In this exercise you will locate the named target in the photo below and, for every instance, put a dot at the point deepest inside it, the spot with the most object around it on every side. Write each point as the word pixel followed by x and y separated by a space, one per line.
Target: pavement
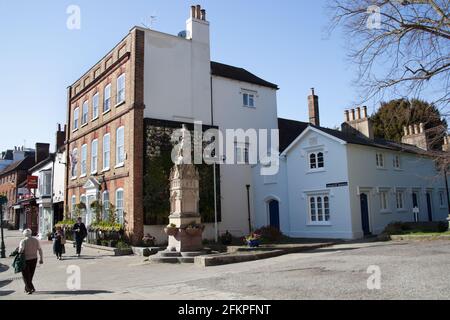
pixel 408 270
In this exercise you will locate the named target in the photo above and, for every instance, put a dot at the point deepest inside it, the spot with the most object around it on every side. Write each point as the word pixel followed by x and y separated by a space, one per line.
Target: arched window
pixel 105 201
pixel 73 205
pixel 320 161
pixel 119 205
pixel 120 146
pixel 312 161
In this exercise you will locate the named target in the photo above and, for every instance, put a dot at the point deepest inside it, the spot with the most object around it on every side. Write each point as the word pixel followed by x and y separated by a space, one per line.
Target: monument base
pixel 176 257
pixel 185 240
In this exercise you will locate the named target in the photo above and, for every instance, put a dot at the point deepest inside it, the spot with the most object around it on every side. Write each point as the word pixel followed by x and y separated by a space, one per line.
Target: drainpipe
pixel 248 207
pixel 216 223
pixel 447 189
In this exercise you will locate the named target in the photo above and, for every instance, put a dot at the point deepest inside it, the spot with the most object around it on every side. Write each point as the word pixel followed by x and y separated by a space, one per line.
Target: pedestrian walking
pixel 30 247
pixel 58 243
pixel 80 232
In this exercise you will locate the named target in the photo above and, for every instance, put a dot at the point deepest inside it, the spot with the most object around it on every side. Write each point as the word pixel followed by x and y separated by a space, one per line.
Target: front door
pixel 89 211
pixel 429 207
pixel 365 214
pixel 274 214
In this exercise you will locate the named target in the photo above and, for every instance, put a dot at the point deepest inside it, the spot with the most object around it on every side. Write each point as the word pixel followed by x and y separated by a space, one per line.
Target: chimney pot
pixel 405 131
pixel 416 129
pixel 193 12
pixel 358 113
pixel 410 129
pixel 346 116
pixel 198 12
pixel 352 114
pixel 365 112
pixel 421 127
pixel 203 14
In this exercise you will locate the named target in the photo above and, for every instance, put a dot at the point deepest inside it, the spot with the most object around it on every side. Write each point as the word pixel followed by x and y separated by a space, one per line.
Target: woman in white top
pixel 30 247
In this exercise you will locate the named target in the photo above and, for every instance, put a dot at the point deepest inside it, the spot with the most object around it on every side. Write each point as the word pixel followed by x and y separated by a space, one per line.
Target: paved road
pixel 408 271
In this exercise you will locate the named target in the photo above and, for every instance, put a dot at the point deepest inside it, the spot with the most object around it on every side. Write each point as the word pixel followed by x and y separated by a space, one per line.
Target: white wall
pixel 302 182
pixel 176 78
pixel 58 179
pixel 229 113
pixel 416 173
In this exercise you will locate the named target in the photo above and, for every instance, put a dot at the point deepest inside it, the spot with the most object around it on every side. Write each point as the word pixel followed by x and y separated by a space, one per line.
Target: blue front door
pixel 274 213
pixel 365 214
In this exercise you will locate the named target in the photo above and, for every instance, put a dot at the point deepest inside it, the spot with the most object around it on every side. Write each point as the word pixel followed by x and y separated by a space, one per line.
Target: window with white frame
pixel 319 208
pixel 84 117
pixel 120 146
pixel 242 153
pixel 73 205
pixel 95 104
pixel 45 183
pixel 94 156
pixel 74 162
pixel 442 199
pixel 400 198
pixel 396 162
pixel 107 98
pixel 106 151
pixel 248 99
pixel 83 211
pixel 316 160
pixel 384 201
pixel 83 159
pixel 380 160
pixel 76 117
pixel 105 201
pixel 119 205
pixel 121 88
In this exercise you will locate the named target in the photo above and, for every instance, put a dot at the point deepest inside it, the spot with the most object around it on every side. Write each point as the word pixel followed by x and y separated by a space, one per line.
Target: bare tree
pixel 401 48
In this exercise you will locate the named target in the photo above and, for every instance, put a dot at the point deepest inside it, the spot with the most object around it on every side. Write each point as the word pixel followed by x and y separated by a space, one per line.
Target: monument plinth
pixel 185 229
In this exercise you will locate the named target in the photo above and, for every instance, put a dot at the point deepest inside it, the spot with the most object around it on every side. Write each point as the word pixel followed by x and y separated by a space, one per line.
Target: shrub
pixel 106 226
pixel 226 238
pixel 122 245
pixel 408 227
pixel 269 234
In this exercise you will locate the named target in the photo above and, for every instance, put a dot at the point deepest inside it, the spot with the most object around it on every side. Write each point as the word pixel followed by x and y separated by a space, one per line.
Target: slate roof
pixel 240 74
pixel 291 129
pixel 23 164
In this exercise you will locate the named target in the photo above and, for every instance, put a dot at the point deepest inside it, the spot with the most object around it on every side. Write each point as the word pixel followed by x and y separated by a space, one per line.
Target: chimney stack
pixel 60 138
pixel 357 123
pixel 415 135
pixel 42 152
pixel 197 28
pixel 313 108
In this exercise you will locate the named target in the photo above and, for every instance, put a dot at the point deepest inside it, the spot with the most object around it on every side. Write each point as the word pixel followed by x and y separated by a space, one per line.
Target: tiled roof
pixel 23 164
pixel 291 129
pixel 240 74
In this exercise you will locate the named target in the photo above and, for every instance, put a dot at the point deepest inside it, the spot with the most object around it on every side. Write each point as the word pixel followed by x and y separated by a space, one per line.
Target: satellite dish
pixel 182 34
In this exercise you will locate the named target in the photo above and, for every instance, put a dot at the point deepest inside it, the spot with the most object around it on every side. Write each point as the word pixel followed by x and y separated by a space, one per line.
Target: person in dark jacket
pixel 80 232
pixel 58 243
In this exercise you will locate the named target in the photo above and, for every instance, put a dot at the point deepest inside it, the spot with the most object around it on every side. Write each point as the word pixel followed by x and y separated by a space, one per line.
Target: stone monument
pixel 185 229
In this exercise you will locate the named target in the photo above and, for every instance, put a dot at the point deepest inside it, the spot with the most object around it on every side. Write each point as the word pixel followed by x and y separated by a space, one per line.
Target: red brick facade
pixel 125 59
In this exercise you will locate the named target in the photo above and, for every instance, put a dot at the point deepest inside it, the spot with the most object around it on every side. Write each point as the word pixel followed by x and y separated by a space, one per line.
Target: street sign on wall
pixel 32 182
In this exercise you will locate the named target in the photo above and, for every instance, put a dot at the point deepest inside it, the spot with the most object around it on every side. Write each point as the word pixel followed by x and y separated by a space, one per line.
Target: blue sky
pixel 284 42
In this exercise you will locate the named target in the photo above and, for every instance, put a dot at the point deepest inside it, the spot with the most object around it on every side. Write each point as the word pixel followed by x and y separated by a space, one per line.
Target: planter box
pixel 171 231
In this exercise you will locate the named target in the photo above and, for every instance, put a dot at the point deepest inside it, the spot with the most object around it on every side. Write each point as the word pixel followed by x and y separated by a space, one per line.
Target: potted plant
pixel 148 240
pixel 194 229
pixel 171 230
pixel 253 240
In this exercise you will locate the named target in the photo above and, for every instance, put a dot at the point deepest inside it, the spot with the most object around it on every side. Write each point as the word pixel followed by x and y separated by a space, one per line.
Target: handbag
pixel 19 262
